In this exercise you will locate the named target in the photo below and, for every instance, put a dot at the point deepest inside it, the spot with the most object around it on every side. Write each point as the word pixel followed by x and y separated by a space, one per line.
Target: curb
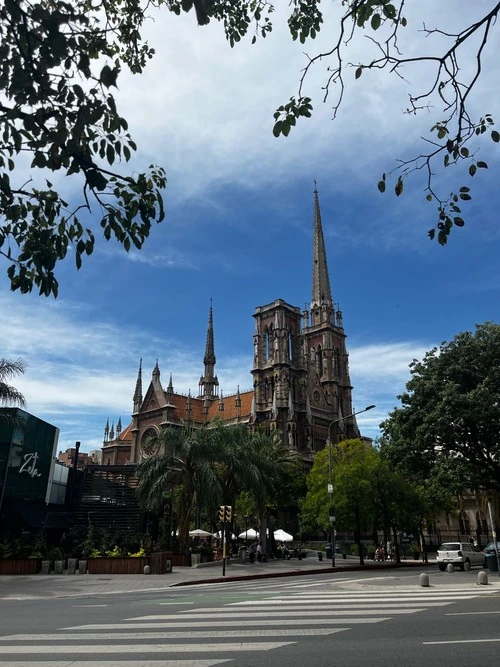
pixel 299 573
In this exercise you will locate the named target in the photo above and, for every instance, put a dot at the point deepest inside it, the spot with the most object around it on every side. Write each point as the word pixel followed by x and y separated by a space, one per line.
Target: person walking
pixel 252 550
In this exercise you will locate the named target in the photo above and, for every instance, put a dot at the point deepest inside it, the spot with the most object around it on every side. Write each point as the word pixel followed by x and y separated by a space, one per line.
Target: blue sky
pixel 238 230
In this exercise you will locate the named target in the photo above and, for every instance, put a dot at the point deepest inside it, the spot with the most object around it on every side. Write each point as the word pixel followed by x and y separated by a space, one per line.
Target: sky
pixel 239 222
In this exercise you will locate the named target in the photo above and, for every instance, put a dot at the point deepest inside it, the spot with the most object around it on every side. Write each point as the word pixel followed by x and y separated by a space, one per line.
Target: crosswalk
pixel 209 636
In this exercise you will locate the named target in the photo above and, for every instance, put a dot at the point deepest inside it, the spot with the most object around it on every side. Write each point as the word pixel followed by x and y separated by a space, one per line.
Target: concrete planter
pixel 20 566
pixel 59 566
pixel 195 559
pixel 116 565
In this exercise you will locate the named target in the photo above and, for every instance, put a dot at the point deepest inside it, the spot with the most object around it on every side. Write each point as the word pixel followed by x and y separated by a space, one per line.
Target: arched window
pixel 268 334
pixel 336 362
pixel 319 360
pixel 290 349
pixel 464 523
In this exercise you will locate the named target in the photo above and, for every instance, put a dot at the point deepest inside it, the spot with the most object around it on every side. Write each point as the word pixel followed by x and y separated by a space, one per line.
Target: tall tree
pixel 448 428
pixel 207 466
pixel 59 62
pixel 279 467
pixel 457 49
pixel 181 460
pixel 9 395
pixel 368 495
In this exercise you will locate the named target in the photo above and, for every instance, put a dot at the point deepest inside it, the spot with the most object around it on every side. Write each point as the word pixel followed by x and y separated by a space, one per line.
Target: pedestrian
pixel 259 552
pixel 252 550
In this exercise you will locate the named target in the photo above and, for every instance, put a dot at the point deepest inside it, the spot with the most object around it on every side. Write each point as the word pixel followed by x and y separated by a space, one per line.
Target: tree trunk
pixel 357 537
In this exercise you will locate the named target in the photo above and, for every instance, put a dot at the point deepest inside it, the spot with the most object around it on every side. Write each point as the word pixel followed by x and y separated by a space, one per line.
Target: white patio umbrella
pixel 281 536
pixel 251 534
pixel 218 535
pixel 199 532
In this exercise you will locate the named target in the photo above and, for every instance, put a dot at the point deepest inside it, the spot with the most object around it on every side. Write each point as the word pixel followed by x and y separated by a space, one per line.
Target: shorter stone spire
pixel 209 382
pixel 138 389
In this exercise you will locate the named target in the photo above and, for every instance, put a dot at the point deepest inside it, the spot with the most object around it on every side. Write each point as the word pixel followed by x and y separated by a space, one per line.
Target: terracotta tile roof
pixel 125 434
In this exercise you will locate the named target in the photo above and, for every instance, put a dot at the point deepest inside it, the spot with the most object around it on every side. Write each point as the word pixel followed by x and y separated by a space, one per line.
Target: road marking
pixel 230 613
pixel 329 601
pixel 464 641
pixel 202 634
pixel 166 603
pixel 419 592
pixel 148 648
pixel 472 613
pixel 118 663
pixel 247 622
pixel 89 605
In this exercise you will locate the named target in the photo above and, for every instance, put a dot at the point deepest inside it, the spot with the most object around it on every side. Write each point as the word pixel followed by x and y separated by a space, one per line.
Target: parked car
pixel 488 550
pixel 462 554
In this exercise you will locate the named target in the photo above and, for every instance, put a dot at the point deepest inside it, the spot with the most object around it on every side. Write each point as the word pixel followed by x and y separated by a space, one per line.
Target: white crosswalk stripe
pixel 209 636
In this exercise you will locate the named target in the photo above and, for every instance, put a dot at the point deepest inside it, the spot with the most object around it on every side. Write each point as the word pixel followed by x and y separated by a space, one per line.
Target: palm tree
pixel 184 462
pixel 278 463
pixel 10 395
pixel 206 466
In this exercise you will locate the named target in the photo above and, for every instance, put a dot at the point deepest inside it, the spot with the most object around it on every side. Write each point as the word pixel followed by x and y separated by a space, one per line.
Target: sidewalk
pixel 64 585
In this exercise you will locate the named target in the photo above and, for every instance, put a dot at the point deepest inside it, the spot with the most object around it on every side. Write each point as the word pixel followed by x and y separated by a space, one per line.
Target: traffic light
pixel 229 511
pixel 222 512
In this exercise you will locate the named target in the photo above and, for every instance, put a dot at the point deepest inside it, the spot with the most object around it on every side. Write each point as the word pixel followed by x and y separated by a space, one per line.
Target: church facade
pixel 301 383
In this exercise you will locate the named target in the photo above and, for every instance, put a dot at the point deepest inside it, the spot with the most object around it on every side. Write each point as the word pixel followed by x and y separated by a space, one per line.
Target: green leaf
pixel 376 21
pixel 465 197
pixel 381 186
pixel 359 72
pixel 472 169
pixel 399 187
pixel 459 222
pixel 482 165
pixel 108 76
pixel 276 130
pixel 495 136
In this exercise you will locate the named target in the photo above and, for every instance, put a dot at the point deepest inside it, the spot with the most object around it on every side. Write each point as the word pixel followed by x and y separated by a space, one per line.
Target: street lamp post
pixel 330 475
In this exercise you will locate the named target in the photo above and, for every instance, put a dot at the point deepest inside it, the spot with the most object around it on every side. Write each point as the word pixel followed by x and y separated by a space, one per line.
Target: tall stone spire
pixel 208 381
pixel 322 303
pixel 138 389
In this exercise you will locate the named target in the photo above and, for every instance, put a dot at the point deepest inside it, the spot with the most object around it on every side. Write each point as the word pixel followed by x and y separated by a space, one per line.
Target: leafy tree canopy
pixel 448 428
pixel 450 66
pixel 59 62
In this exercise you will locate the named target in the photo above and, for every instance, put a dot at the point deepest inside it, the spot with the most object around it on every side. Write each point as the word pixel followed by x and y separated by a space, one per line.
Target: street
pixel 347 618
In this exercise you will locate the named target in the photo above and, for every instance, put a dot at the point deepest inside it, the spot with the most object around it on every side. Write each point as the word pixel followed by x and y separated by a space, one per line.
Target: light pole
pixel 330 474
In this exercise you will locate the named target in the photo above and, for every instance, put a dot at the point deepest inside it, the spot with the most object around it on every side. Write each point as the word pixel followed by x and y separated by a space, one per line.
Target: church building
pixel 300 371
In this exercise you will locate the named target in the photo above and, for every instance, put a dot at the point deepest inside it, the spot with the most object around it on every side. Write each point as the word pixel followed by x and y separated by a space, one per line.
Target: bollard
pixel 147 569
pixel 482 578
pixel 424 579
pixel 450 568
